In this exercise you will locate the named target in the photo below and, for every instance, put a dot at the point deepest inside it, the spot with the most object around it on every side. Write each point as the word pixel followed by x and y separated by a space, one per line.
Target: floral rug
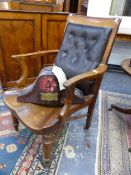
pixel 114 137
pixel 21 152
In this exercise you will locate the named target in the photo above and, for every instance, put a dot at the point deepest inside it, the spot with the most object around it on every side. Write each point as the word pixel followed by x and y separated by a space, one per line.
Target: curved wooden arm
pixel 21 59
pixel 96 73
pixel 65 111
pixel 22 81
pixel 70 86
pixel 39 53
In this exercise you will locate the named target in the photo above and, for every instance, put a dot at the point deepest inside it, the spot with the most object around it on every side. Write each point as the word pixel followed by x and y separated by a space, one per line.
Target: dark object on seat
pixel 45 91
pixel 83 57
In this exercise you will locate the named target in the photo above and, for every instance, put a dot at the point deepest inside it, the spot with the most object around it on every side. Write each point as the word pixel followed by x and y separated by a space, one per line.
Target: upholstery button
pixel 64 54
pixel 70 36
pixel 74 59
pixel 83 35
pixel 85 51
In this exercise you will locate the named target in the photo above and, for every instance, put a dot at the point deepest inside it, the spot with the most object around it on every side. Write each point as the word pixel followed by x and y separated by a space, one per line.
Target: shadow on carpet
pixel 21 152
pixel 114 136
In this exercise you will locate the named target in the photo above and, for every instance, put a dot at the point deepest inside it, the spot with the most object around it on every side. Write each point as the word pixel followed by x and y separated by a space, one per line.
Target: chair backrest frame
pixel 112 23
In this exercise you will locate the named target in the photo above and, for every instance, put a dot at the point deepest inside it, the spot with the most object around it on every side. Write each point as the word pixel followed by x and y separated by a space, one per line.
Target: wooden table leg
pixel 123 110
pixel 120 109
pixel 129 149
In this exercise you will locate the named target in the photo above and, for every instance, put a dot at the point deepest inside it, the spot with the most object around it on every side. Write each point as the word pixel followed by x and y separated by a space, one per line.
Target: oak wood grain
pixel 23 32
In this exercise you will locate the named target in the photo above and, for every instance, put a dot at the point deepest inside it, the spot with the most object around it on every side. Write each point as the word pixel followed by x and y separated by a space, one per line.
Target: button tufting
pixel 82 47
pixel 83 35
pixel 94 40
pixel 64 54
pixel 70 36
pixel 74 59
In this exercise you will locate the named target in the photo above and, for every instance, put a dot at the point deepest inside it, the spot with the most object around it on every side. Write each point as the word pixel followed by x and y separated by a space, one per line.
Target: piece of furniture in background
pixel 33 5
pixel 120 51
pixel 82 7
pixel 66 6
pixel 87 44
pixel 76 6
pixel 23 32
pixel 126 65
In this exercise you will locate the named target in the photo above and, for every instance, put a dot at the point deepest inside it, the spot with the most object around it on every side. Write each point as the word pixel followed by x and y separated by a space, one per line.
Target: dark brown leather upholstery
pixel 82 50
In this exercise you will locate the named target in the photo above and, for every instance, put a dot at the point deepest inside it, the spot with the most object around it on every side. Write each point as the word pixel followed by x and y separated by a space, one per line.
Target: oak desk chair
pixel 83 57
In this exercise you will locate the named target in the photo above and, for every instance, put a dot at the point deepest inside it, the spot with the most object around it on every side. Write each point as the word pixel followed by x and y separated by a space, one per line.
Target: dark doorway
pixel 127 8
pixel 73 6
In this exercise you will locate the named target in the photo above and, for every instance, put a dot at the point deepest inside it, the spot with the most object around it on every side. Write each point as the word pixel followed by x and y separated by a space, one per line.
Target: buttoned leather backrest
pixel 82 50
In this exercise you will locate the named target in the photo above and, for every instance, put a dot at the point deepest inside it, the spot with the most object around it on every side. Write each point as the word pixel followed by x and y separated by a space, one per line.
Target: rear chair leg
pixel 15 122
pixel 89 116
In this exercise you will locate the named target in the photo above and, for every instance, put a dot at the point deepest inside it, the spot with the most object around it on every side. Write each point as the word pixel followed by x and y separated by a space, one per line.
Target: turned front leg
pixel 48 141
pixel 47 147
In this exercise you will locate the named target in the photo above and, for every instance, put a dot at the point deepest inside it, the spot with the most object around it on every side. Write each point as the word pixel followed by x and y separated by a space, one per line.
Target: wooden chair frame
pixel 50 127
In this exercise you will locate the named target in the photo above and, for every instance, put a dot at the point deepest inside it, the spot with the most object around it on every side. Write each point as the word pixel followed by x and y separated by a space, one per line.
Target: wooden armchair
pixel 83 56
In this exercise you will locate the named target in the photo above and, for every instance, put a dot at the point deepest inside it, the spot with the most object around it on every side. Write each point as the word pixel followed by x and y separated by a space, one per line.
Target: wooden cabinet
pixel 33 5
pixel 76 6
pixel 82 7
pixel 19 33
pixel 23 32
pixel 53 31
pixel 45 7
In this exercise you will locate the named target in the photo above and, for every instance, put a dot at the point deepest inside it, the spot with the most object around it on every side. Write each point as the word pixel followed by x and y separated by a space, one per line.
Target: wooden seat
pixel 38 118
pixel 83 57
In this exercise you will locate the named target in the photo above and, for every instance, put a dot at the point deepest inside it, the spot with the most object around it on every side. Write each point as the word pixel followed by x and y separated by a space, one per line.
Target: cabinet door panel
pixel 19 33
pixel 52 33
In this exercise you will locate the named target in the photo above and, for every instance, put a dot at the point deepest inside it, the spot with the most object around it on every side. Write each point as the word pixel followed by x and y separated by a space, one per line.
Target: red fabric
pixel 48 84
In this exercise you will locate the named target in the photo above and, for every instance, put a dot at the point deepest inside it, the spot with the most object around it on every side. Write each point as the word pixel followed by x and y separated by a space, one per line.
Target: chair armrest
pixel 70 86
pixel 39 53
pixel 96 73
pixel 21 59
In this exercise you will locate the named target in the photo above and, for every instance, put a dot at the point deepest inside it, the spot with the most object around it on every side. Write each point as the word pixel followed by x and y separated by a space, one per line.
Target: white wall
pixel 121 49
pixel 99 7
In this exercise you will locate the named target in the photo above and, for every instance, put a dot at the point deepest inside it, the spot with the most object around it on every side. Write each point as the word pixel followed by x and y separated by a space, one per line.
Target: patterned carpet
pixel 21 152
pixel 114 136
